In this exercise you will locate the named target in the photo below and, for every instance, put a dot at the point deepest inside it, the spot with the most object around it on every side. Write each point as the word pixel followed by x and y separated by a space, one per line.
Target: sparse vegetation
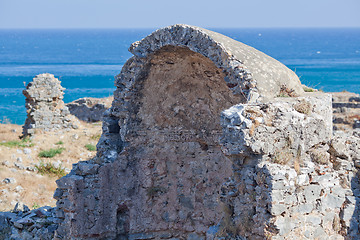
pixel 90 147
pixel 286 92
pixel 307 89
pixel 35 205
pixel 255 124
pixel 282 157
pixel 51 152
pixel 25 142
pixel 49 169
pixel 39 189
pixel 95 137
pixel 303 107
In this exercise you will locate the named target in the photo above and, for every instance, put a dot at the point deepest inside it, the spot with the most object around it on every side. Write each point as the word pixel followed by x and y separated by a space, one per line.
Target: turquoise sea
pixel 86 61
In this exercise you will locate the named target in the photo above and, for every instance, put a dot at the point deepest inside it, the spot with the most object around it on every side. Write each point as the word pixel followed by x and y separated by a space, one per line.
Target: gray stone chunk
pixel 304 208
pixel 84 168
pixel 331 201
pixel 284 224
pixel 277 209
pixel 68 181
pixel 312 192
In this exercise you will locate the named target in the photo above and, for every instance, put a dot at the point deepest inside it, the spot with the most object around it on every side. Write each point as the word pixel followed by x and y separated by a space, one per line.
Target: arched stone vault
pixel 251 75
pixel 249 72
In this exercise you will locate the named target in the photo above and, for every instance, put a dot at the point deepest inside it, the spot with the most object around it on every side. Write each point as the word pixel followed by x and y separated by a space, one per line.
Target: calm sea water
pixel 86 61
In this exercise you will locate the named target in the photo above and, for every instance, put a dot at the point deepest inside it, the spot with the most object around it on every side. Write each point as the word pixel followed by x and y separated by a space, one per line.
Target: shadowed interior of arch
pixel 176 126
pixel 184 89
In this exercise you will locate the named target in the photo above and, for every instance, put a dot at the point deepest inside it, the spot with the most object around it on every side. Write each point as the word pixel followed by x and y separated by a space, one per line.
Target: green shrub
pixel 51 152
pixel 25 142
pixel 307 89
pixel 90 147
pixel 59 143
pixel 49 169
pixel 35 205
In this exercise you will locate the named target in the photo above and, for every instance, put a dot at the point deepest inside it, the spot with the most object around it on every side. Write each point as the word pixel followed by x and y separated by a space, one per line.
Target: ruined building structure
pixel 208 138
pixel 46 110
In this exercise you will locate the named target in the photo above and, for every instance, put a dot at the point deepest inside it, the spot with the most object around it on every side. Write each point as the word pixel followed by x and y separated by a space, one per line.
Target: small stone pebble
pixel 30 168
pixel 6 163
pixel 18 225
pixel 27 150
pixel 19 166
pixel 9 180
pixel 19 188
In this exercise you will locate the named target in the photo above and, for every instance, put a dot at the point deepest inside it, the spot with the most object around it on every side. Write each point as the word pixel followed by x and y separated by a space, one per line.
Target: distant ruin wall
pixel 196 147
pixel 89 109
pixel 46 110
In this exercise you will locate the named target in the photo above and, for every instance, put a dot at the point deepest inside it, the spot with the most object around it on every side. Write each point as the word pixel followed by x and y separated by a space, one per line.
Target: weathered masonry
pixel 46 110
pixel 199 145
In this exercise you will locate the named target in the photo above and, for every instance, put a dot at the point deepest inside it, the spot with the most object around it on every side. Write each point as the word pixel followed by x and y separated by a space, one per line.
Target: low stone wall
pixel 89 109
pixel 46 110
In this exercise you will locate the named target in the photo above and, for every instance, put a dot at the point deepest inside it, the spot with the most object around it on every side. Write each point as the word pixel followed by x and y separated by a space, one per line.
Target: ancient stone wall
pixel 292 180
pixel 197 145
pixel 46 110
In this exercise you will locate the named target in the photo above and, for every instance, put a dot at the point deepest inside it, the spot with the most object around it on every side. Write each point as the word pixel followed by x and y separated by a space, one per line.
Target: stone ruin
pixel 199 145
pixel 46 110
pixel 89 109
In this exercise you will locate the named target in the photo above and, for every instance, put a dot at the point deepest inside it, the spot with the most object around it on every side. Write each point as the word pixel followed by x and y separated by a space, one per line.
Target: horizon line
pixel 149 28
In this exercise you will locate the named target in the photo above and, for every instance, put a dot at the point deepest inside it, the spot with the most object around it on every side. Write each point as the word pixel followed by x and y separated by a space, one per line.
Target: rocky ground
pixel 20 179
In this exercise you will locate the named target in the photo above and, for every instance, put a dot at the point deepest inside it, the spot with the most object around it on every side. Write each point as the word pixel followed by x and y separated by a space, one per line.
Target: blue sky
pixel 159 13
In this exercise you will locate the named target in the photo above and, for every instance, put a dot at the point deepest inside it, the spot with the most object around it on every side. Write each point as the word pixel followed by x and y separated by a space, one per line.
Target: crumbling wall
pixel 46 110
pixel 161 171
pixel 291 181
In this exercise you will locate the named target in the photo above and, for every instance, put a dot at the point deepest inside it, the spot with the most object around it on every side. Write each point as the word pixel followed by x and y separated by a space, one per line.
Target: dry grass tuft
pixel 255 124
pixel 303 107
pixel 49 169
pixel 286 92
pixel 282 157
